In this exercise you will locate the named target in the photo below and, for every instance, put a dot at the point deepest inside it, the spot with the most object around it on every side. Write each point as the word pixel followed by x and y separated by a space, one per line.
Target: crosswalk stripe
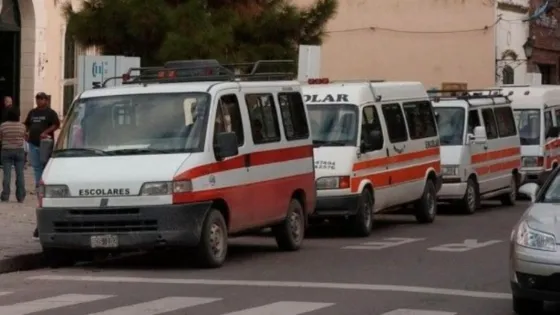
pixel 164 305
pixel 5 293
pixel 40 305
pixel 404 311
pixel 282 308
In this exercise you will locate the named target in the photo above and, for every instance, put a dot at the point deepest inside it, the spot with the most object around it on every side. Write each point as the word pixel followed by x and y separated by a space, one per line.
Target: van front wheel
pixel 289 234
pixel 426 207
pixel 212 248
pixel 362 222
pixel 470 201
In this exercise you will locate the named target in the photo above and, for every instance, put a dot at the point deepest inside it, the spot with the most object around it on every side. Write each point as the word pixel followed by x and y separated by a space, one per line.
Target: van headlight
pixel 333 182
pixel 450 170
pixel 530 238
pixel 165 188
pixel 53 191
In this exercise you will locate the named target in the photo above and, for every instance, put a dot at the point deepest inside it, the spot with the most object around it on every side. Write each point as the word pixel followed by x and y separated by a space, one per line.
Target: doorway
pixel 10 45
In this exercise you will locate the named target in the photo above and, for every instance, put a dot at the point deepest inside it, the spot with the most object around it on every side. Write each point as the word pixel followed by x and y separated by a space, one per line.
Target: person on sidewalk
pixel 12 135
pixel 41 122
pixel 7 105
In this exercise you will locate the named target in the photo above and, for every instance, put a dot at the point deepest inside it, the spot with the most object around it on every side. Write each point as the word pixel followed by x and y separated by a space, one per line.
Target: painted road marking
pixel 283 284
pixel 467 245
pixel 386 243
pixel 168 304
pixel 41 305
pixel 404 311
pixel 282 308
pixel 5 293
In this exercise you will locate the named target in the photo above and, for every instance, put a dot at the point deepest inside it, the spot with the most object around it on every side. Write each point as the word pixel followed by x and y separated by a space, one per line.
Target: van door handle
pixel 399 150
pixel 247 160
pixel 485 147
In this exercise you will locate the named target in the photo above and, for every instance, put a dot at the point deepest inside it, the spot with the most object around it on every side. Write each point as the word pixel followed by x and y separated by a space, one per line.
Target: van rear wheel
pixel 290 233
pixel 426 207
pixel 509 198
pixel 212 249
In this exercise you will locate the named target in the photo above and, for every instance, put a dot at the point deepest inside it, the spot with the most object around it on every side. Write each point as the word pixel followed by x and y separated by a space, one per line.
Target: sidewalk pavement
pixel 18 250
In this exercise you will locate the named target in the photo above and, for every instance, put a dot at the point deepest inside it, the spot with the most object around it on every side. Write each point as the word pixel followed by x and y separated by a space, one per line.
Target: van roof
pixel 180 87
pixel 526 96
pixel 468 98
pixel 361 92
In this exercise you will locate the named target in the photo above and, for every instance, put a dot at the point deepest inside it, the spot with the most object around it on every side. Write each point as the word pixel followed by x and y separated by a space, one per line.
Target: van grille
pixel 121 226
pixel 117 211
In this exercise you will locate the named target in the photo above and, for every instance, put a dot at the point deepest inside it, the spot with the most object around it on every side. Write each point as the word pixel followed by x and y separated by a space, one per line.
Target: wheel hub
pixel 295 225
pixel 216 240
pixel 471 197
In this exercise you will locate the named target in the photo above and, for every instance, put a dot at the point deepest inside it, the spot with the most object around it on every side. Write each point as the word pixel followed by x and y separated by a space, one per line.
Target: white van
pixel 480 148
pixel 376 148
pixel 537 113
pixel 179 159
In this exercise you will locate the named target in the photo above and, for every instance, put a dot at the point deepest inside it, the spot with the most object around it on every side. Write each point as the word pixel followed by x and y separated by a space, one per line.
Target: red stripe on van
pixel 494 155
pixel 396 159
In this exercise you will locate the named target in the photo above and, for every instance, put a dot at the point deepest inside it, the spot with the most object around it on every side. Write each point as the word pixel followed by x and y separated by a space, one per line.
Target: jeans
pixel 13 158
pixel 35 160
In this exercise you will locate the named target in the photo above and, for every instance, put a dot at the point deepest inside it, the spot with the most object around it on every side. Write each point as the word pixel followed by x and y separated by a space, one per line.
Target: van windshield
pixel 334 124
pixel 451 125
pixel 135 124
pixel 529 124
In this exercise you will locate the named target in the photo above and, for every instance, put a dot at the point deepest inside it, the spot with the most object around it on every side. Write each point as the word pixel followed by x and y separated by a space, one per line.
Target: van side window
pixel 547 120
pixel 228 118
pixel 506 123
pixel 394 120
pixel 293 116
pixel 371 129
pixel 557 114
pixel 490 123
pixel 420 119
pixel 474 120
pixel 264 119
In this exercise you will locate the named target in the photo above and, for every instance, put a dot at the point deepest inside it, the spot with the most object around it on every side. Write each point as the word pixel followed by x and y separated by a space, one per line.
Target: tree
pixel 227 30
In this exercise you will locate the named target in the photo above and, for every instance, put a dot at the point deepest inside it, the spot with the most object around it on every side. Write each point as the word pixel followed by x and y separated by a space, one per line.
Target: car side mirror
pixel 226 145
pixel 553 132
pixel 480 135
pixel 529 190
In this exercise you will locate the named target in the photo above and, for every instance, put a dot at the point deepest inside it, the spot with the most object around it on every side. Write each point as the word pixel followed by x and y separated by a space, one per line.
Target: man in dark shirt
pixel 41 123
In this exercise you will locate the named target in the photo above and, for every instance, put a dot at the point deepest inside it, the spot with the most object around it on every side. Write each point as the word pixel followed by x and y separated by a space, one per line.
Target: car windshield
pixel 334 124
pixel 451 125
pixel 135 124
pixel 552 191
pixel 529 124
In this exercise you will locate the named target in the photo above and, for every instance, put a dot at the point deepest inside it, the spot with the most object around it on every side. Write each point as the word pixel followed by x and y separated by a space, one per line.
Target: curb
pixel 22 263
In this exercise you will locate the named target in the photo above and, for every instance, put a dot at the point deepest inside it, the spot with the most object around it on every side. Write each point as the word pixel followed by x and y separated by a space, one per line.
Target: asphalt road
pixel 402 269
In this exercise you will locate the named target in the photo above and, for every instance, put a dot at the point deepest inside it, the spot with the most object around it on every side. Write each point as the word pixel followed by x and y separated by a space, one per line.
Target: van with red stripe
pixel 480 148
pixel 537 114
pixel 179 157
pixel 376 149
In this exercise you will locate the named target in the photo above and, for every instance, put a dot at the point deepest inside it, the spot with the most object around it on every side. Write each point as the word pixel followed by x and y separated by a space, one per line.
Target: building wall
pixel 545 30
pixel 411 40
pixel 511 33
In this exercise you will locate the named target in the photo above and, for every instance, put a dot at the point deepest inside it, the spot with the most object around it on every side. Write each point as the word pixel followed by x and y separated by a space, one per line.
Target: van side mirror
pixel 225 145
pixel 479 135
pixel 553 132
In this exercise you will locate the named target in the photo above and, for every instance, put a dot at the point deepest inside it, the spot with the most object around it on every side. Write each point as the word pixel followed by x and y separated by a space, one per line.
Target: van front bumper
pixel 335 206
pixel 136 228
pixel 452 190
pixel 535 175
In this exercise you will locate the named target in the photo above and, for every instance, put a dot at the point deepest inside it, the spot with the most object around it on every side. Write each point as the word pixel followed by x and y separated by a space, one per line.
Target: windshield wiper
pixel 137 151
pixel 320 143
pixel 78 152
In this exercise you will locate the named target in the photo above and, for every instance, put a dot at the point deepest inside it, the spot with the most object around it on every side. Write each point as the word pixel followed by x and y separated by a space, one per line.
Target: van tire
pixel 290 233
pixel 522 306
pixel 362 223
pixel 426 207
pixel 509 198
pixel 59 258
pixel 212 248
pixel 471 199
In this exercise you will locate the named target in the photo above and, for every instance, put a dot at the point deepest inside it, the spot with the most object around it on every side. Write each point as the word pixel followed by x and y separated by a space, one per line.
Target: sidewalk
pixel 18 250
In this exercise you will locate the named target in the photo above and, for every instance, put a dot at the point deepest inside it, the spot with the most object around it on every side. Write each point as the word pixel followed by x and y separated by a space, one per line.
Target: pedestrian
pixel 41 123
pixel 12 134
pixel 7 105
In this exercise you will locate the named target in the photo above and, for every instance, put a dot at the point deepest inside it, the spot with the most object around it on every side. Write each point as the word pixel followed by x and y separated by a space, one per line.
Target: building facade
pixel 512 32
pixel 545 33
pixel 429 41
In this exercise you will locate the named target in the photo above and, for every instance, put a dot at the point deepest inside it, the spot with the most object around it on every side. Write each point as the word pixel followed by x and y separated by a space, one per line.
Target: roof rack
pixel 358 81
pixel 467 95
pixel 205 71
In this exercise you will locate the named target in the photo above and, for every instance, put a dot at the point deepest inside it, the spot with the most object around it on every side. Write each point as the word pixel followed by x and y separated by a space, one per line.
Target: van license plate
pixel 104 241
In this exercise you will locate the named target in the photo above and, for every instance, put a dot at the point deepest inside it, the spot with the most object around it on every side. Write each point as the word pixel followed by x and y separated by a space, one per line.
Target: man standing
pixel 41 123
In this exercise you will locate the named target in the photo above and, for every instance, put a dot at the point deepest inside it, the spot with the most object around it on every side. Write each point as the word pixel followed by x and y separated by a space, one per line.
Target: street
pixel 457 265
